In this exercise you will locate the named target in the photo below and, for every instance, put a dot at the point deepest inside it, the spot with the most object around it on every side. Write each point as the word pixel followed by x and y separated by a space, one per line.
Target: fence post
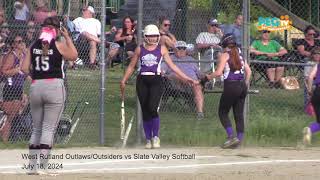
pixel 138 109
pixel 102 71
pixel 245 46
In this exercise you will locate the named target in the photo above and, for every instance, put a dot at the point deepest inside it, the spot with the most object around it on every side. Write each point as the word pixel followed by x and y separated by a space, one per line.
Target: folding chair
pixel 172 94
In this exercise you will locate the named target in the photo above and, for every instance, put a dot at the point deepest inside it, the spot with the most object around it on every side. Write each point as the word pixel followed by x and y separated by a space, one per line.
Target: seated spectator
pixel 126 38
pixel 314 61
pixel 210 39
pixel 166 38
pixel 190 69
pixel 13 89
pixel 269 50
pixel 305 46
pixel 235 29
pixel 89 29
pixel 42 11
pixel 21 13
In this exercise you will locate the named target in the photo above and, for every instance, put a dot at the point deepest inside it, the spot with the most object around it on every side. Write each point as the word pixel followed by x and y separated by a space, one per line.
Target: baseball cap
pixel 89 8
pixel 213 21
pixel 181 44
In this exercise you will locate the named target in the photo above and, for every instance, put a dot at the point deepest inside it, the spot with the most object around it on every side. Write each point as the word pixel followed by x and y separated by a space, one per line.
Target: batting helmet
pixel 228 39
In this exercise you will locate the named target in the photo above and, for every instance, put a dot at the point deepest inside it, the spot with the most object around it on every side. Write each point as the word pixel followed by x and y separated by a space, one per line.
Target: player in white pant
pixel 47 92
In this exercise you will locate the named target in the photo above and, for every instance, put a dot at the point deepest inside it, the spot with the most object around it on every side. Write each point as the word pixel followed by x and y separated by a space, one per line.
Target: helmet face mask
pixel 151 34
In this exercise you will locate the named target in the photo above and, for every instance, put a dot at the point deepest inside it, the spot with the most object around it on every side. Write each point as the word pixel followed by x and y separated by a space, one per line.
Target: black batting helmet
pixel 228 39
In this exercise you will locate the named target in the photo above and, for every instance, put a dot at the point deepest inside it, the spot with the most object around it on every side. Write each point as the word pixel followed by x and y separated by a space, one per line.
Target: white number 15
pixel 43 64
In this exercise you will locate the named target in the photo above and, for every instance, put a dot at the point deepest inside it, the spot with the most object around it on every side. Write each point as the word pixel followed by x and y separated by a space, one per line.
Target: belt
pixel 150 73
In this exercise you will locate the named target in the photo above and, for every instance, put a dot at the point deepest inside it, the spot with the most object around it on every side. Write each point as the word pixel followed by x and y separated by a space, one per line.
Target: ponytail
pixel 235 58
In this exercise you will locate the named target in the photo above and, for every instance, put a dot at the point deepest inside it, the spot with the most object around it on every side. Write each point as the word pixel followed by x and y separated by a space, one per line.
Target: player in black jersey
pixel 45 59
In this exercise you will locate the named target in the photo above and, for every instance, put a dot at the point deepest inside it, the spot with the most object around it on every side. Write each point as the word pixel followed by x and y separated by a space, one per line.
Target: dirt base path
pixel 169 163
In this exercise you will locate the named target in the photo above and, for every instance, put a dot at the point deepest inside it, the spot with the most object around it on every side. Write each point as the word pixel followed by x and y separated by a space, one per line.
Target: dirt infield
pixel 170 163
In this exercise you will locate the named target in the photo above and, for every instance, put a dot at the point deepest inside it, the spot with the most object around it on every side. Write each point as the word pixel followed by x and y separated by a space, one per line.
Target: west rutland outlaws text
pixel 156 156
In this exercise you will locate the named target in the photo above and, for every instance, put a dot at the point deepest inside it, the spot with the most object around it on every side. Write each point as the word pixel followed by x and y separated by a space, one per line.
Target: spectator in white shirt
pixel 210 39
pixel 90 29
pixel 21 11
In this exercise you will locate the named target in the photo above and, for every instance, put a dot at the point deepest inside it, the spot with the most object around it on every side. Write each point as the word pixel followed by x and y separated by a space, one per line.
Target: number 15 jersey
pixel 46 67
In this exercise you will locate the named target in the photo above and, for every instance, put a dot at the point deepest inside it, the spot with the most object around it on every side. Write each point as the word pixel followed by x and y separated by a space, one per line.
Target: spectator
pixel 306 45
pixel 31 33
pixel 269 50
pixel 4 35
pixel 21 11
pixel 2 16
pixel 188 68
pixel 42 11
pixel 126 38
pixel 210 39
pixel 13 88
pixel 89 29
pixel 167 38
pixel 235 29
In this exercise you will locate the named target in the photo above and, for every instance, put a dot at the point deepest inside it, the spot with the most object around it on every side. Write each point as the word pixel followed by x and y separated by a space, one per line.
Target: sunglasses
pixel 181 48
pixel 213 25
pixel 18 41
pixel 311 34
pixel 167 25
pixel 265 31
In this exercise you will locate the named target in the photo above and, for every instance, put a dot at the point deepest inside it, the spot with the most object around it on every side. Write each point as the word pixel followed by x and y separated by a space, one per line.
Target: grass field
pixel 275 116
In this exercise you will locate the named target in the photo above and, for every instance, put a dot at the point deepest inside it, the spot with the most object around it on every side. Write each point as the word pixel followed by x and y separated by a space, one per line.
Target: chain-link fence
pixel 20 27
pixel 189 115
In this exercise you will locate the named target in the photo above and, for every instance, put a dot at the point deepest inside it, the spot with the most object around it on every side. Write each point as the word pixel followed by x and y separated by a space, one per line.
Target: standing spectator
pixel 42 11
pixel 149 86
pixel 314 96
pixel 269 50
pixel 236 74
pixel 235 29
pixel 211 38
pixel 89 29
pixel 189 68
pixel 31 33
pixel 2 16
pixel 167 38
pixel 47 92
pixel 21 11
pixel 13 88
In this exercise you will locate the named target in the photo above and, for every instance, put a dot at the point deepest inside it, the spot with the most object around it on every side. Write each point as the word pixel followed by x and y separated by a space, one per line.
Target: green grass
pixel 275 117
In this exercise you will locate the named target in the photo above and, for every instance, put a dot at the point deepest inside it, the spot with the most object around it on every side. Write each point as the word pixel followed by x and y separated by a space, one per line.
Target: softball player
pixel 47 92
pixel 148 86
pixel 236 73
pixel 313 79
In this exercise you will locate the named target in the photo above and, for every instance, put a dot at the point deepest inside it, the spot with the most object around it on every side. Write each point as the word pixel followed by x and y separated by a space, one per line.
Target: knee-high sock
pixel 34 151
pixel 229 131
pixel 45 151
pixel 240 136
pixel 155 126
pixel 147 126
pixel 315 127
